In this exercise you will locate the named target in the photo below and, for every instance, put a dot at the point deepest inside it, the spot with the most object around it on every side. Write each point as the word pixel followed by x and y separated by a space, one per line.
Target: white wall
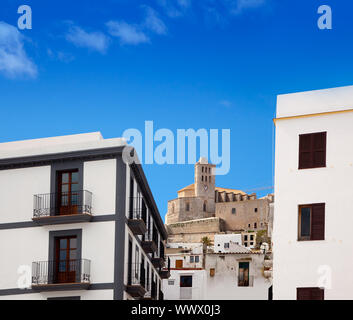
pixel 172 292
pixel 27 245
pixel 298 263
pixel 100 179
pixel 221 239
pixel 224 284
pixel 18 186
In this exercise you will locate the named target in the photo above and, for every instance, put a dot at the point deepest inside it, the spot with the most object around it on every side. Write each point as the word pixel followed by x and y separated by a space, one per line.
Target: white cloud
pixel 61 56
pixel 174 9
pixel 127 33
pixel 153 22
pixel 13 58
pixel 97 41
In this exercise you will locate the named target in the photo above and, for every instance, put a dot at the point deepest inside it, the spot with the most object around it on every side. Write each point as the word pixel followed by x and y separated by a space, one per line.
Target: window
pixel 310 294
pixel 187 206
pixel 245 244
pixel 204 206
pixel 186 281
pixel 249 225
pixel 251 243
pixel 234 210
pixel 311 222
pixel 212 272
pixel 191 259
pixel 312 150
pixel 201 178
pixel 197 259
pixel 178 264
pixel 252 237
pixel 255 209
pixel 171 282
pixel 206 178
pixel 246 237
pixel 226 245
pixel 255 225
pixel 243 276
pixel 68 192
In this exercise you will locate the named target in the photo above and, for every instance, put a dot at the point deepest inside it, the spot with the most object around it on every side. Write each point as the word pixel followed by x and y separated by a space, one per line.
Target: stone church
pixel 202 209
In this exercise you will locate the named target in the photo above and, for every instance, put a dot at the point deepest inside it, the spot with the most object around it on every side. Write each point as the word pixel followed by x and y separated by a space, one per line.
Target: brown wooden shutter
pixel 312 150
pixel 319 149
pixel 303 293
pixel 310 294
pixel 318 222
pixel 305 151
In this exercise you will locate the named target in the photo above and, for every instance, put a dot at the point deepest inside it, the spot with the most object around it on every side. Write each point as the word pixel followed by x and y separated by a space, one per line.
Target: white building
pixel 227 242
pixel 236 275
pixel 76 222
pixel 313 195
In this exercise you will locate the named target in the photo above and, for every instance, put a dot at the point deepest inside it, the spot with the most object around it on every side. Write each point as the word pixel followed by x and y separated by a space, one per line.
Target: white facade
pixel 25 241
pixel 323 263
pixel 217 278
pixel 227 242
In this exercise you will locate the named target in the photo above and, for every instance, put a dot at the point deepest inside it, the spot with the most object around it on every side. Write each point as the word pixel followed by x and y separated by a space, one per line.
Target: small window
pixel 255 209
pixel 312 150
pixel 197 259
pixel 202 169
pixel 311 222
pixel 212 272
pixel 234 210
pixel 255 225
pixel 252 237
pixel 206 178
pixel 205 206
pixel 251 243
pixel 249 225
pixel 171 282
pixel 226 245
pixel 246 237
pixel 186 281
pixel 191 259
pixel 245 244
pixel 187 206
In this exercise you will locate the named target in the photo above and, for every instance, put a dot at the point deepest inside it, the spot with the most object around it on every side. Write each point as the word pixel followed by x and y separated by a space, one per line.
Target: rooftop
pixel 313 102
pixel 60 144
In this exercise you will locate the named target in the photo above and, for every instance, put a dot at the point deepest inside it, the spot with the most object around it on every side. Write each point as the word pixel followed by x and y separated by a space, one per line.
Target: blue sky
pixel 111 65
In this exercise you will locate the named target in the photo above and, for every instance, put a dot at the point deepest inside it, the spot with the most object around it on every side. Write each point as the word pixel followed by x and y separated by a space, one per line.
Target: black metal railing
pixel 64 203
pixel 61 271
pixel 161 250
pixel 137 208
pixel 137 274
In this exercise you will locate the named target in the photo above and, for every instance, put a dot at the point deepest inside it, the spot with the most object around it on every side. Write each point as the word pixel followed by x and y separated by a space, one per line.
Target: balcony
pixel 165 272
pixel 61 208
pixel 61 275
pixel 149 243
pixel 158 262
pixel 136 286
pixel 137 216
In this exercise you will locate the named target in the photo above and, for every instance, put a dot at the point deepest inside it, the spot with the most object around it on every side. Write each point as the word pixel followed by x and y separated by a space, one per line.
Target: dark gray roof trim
pixel 147 193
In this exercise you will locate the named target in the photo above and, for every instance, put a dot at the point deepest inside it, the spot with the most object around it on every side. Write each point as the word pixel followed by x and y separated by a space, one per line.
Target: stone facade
pixel 202 209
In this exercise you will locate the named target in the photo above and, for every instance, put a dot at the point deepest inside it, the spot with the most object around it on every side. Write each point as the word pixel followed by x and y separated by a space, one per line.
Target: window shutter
pixel 319 149
pixel 303 294
pixel 317 294
pixel 310 294
pixel 305 151
pixel 318 222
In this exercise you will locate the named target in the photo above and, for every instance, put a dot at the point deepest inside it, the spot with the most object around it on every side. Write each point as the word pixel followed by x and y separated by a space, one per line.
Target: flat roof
pixel 60 144
pixel 315 102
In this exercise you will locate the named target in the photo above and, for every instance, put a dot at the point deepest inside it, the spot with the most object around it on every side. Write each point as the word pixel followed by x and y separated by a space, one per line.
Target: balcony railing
pixel 62 204
pixel 137 208
pixel 136 285
pixel 61 272
pixel 149 243
pixel 137 215
pixel 247 281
